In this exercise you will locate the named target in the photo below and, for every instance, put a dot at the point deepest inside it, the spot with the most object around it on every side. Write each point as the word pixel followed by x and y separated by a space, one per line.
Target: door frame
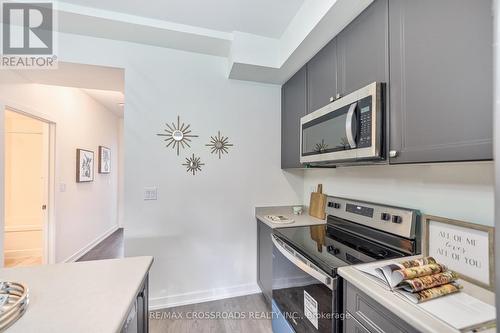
pixel 50 221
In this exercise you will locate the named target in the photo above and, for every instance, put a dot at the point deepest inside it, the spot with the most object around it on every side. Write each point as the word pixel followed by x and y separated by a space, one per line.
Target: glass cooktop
pixel 311 242
pixel 331 247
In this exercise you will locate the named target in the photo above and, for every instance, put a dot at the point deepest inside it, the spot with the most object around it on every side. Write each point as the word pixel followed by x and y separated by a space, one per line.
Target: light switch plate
pixel 62 187
pixel 150 193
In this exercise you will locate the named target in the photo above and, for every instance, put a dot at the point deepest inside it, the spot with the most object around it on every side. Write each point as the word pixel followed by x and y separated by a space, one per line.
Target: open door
pixel 26 189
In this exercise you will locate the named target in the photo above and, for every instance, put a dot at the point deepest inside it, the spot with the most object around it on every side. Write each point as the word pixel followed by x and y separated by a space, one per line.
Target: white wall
pixel 121 174
pixel 463 191
pixel 201 230
pixel 84 211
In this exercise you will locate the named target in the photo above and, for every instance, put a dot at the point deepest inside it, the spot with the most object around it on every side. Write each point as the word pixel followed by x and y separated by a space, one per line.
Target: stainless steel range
pixel 307 295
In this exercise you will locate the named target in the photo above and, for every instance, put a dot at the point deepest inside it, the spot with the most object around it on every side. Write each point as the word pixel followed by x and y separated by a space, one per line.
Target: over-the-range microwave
pixel 350 129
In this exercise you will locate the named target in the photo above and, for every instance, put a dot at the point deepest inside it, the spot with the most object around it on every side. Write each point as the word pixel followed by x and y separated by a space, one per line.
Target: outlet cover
pixel 150 193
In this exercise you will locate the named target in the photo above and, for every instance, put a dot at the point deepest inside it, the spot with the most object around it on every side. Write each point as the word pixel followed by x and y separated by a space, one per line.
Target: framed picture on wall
pixel 104 159
pixel 84 165
pixel 464 247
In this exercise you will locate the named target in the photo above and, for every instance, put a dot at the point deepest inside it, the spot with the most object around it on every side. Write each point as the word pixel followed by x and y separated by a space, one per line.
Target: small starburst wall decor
pixel 178 136
pixel 219 144
pixel 193 164
pixel 320 147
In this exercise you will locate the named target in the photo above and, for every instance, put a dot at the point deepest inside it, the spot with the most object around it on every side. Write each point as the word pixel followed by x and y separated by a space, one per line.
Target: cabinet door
pixel 351 325
pixel 369 314
pixel 265 260
pixel 322 77
pixel 441 80
pixel 293 107
pixel 363 49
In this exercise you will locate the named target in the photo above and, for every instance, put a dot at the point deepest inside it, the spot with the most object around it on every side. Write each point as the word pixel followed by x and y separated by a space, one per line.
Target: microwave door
pixel 325 134
pixel 331 136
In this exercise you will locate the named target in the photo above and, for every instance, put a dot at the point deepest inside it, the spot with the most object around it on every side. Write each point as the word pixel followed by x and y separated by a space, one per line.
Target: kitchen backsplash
pixel 461 191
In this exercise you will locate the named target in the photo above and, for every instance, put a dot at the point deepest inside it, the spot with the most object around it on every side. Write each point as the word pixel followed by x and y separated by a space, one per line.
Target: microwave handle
pixel 351 125
pixel 304 264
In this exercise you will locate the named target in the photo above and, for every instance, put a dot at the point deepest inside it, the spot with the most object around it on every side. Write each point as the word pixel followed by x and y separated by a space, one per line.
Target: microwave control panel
pixel 365 122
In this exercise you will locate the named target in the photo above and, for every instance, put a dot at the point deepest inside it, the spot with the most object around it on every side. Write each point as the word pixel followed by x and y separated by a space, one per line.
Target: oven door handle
pixel 303 263
pixel 351 125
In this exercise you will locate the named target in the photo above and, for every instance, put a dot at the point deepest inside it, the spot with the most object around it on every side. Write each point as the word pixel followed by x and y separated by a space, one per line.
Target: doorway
pixel 26 174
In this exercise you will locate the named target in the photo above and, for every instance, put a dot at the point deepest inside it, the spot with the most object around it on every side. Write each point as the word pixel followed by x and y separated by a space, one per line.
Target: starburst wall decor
pixel 193 164
pixel 178 135
pixel 219 144
pixel 321 147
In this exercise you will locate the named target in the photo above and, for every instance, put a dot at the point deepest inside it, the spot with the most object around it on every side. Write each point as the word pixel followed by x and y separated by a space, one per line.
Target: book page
pixel 460 310
pixel 374 272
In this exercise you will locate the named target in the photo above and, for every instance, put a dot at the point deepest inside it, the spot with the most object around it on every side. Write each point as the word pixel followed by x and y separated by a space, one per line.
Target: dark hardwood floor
pixel 245 314
pixel 110 248
pixel 253 308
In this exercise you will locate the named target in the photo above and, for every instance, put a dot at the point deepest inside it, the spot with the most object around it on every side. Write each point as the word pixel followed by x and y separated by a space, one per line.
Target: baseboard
pixel 203 296
pixel 77 255
pixel 11 254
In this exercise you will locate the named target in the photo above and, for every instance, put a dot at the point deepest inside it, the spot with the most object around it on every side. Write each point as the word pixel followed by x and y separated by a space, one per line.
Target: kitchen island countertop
pixel 405 310
pixel 90 296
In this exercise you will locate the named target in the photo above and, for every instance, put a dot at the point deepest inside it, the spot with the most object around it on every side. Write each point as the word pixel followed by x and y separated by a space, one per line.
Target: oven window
pixel 325 134
pixel 306 303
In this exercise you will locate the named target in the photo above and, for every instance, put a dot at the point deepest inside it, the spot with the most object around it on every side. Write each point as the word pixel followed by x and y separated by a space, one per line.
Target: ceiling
pixel 103 84
pixel 111 100
pixel 78 76
pixel 263 41
pixel 260 17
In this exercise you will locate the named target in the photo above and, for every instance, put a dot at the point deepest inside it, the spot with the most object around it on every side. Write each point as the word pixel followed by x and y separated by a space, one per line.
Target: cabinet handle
pixel 332 99
pixel 393 153
pixel 338 96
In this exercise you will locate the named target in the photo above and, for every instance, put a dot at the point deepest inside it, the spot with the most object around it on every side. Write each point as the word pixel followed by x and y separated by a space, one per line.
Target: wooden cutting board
pixel 317 204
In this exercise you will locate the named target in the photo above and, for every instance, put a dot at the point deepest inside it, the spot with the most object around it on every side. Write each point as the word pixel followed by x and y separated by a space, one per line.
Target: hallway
pixel 110 248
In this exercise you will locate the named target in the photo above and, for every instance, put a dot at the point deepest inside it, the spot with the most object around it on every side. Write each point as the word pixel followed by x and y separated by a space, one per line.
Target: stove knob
pixel 336 205
pixel 330 204
pixel 332 249
pixel 385 216
pixel 397 219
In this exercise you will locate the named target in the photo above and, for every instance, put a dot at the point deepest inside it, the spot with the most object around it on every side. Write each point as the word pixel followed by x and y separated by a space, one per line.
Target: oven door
pixel 305 298
pixel 347 129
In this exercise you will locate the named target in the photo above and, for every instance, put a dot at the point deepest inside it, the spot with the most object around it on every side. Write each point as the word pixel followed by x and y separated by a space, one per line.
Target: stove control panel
pixel 395 220
pixel 385 216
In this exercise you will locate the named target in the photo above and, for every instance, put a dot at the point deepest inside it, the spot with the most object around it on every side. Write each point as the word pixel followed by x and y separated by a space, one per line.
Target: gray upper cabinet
pixel 363 49
pixel 322 77
pixel 437 60
pixel 293 107
pixel 441 80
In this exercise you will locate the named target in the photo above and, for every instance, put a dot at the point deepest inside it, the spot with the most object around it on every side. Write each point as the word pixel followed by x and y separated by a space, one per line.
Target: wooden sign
pixel 463 247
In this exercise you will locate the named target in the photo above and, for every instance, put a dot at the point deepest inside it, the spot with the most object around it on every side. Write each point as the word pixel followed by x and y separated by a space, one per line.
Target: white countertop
pixel 299 220
pixel 91 296
pixel 407 311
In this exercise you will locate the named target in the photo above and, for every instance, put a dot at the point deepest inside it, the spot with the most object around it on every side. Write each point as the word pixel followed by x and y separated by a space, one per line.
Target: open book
pixel 424 279
pixel 418 280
